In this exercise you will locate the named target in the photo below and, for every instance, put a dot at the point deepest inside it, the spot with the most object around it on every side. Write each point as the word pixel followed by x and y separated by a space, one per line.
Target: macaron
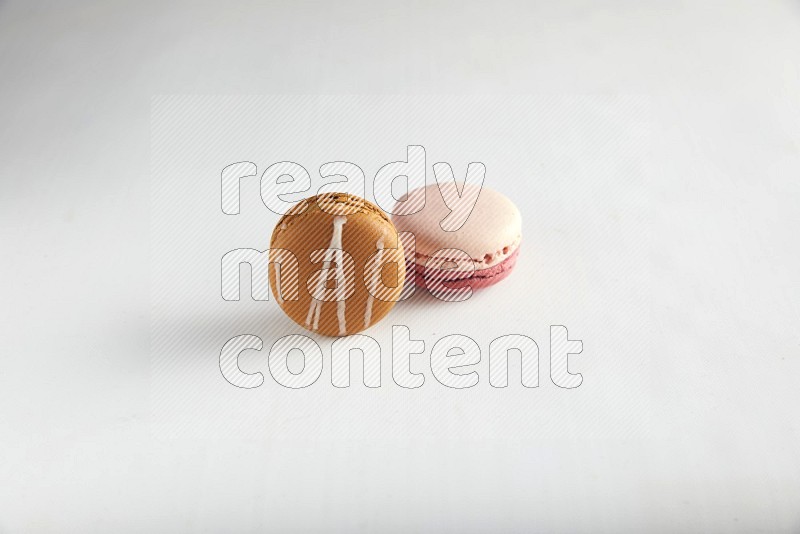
pixel 480 253
pixel 338 265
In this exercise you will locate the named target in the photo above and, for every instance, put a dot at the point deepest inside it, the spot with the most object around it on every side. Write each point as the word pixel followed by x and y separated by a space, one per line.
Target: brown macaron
pixel 338 264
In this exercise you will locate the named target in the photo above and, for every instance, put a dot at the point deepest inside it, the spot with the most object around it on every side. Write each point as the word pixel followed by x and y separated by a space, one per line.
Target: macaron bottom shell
pixel 455 280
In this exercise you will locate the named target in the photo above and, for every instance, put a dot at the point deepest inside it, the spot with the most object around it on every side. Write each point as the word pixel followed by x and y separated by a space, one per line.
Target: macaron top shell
pixel 491 233
pixel 356 290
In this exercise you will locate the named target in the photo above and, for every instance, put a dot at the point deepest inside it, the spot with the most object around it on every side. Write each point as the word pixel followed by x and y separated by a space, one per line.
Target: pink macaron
pixel 454 250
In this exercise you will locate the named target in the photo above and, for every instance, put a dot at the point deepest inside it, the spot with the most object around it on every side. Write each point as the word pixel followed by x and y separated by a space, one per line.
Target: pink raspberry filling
pixel 477 279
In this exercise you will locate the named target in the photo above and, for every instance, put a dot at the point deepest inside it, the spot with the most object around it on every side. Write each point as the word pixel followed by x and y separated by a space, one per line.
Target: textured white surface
pixel 707 442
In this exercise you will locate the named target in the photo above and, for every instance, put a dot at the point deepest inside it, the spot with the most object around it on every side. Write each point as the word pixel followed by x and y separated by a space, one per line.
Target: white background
pixel 687 417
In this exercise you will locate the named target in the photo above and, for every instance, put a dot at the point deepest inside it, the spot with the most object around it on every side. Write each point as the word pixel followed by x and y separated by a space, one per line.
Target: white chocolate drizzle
pixel 278 292
pixel 373 283
pixel 335 249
